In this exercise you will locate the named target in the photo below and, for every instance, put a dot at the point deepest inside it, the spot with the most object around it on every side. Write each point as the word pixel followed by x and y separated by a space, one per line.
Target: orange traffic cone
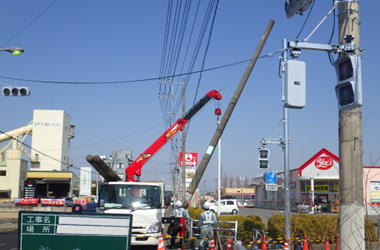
pixel 229 247
pixel 305 245
pixel 286 246
pixel 161 245
pixel 327 244
pixel 264 245
pixel 212 244
pixel 337 243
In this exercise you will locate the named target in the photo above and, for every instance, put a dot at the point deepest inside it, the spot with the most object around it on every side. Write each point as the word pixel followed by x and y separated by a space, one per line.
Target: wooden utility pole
pixel 351 217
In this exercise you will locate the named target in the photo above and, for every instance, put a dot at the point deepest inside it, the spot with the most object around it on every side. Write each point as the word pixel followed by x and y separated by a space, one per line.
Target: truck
pixel 145 200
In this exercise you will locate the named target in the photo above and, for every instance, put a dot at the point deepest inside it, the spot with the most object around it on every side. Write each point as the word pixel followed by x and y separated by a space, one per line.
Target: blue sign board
pixel 271 177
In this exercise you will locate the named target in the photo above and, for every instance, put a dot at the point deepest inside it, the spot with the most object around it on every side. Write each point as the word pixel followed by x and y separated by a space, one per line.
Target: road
pixel 8 240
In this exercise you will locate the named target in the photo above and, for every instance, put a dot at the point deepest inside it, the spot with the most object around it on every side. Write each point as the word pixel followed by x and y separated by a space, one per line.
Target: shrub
pixel 245 225
pixel 313 226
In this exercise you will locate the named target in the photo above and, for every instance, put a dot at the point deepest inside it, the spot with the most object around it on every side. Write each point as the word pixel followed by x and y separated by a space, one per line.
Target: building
pixel 51 132
pixel 241 194
pixel 317 181
pixel 118 161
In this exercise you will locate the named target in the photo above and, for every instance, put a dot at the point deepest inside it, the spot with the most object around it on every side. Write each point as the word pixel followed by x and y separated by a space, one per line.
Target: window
pixel 5 194
pixel 3 172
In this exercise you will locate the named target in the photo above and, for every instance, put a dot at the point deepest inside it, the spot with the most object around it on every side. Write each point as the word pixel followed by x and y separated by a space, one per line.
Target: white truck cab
pixel 144 200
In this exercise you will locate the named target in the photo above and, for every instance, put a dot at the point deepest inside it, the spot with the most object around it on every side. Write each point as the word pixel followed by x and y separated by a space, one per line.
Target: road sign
pixel 271 187
pixel 52 231
pixel 271 177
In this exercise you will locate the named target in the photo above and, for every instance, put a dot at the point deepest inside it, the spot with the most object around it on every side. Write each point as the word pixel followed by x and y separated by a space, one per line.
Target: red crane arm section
pixel 135 167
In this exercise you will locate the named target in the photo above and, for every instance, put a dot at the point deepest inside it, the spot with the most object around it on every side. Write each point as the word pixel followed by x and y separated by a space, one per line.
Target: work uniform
pixel 179 212
pixel 206 223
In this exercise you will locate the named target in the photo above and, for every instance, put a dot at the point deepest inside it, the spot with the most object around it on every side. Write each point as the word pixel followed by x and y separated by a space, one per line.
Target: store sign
pixel 85 181
pixel 271 187
pixel 47 124
pixel 27 201
pixel 191 159
pixel 318 188
pixel 323 163
pixel 53 202
pixel 30 189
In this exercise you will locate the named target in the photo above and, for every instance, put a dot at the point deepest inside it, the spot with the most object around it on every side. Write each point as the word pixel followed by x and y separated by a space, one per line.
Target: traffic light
pixel 296 7
pixel 15 91
pixel 349 87
pixel 263 158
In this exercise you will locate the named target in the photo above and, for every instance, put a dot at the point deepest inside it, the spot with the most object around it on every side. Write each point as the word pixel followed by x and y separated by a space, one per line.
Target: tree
pixel 245 183
pixel 238 182
pixel 231 181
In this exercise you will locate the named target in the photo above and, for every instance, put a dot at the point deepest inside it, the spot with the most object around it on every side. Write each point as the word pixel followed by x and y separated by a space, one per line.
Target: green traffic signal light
pixel 6 92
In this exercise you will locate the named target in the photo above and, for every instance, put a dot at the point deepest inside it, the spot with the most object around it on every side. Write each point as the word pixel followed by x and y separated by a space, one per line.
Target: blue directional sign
pixel 271 177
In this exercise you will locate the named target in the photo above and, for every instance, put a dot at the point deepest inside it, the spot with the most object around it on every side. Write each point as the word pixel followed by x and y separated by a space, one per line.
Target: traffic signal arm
pixel 136 166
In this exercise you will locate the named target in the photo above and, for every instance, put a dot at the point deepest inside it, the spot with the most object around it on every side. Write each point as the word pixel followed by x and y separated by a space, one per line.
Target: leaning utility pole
pixel 351 217
pixel 231 106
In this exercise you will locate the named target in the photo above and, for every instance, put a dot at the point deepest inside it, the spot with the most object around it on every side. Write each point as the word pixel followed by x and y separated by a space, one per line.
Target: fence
pixel 220 229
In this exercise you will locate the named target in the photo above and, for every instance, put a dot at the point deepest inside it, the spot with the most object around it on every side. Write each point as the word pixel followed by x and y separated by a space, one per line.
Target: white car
pixel 226 206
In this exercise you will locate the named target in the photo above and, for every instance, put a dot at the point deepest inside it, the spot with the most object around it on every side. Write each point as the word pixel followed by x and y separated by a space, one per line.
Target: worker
pixel 179 212
pixel 206 223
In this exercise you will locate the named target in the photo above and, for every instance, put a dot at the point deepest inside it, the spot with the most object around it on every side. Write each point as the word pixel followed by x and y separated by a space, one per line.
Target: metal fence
pixel 232 229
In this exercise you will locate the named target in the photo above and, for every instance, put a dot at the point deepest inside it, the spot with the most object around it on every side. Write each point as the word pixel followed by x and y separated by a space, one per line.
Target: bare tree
pixel 224 180
pixel 245 182
pixel 238 182
pixel 231 181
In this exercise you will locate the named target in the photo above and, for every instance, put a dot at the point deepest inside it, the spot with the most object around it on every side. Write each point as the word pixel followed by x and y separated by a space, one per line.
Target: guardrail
pixel 220 229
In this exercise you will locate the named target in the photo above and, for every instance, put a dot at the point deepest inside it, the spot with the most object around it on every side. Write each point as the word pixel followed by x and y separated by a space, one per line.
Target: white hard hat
pixel 178 204
pixel 206 205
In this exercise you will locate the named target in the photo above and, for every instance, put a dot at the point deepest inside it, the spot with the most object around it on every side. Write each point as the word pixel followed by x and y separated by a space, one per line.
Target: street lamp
pixel 242 178
pixel 14 50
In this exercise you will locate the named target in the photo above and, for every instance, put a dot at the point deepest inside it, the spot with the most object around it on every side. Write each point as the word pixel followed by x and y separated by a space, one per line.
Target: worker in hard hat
pixel 206 223
pixel 179 211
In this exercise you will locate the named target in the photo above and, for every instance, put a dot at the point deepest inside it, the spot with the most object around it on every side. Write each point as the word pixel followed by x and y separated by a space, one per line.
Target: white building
pixel 51 132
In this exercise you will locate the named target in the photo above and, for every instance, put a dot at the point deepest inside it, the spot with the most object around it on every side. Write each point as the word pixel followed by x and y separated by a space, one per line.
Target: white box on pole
pixel 294 84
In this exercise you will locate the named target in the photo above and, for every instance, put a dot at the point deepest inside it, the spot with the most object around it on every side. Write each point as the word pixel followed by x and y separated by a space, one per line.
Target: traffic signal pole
pixel 351 214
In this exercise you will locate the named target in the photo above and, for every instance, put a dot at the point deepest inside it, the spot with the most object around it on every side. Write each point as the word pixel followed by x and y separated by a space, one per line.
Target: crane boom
pixel 135 167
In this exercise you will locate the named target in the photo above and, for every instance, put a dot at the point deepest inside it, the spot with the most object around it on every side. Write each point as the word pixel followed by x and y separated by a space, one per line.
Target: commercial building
pixel 317 181
pixel 51 132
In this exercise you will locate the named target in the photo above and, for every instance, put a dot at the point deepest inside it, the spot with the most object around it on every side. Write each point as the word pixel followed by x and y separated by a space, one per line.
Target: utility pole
pixel 183 147
pixel 351 216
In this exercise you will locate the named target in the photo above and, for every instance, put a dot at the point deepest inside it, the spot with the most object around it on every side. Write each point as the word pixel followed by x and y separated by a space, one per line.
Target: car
pixel 68 201
pixel 89 207
pixel 226 206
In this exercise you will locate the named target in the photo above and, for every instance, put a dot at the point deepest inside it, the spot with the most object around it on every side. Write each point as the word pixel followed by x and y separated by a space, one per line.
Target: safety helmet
pixel 206 205
pixel 178 204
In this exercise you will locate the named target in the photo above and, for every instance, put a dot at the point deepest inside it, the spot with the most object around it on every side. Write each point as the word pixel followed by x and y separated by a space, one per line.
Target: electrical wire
pixel 30 23
pixel 307 18
pixel 139 80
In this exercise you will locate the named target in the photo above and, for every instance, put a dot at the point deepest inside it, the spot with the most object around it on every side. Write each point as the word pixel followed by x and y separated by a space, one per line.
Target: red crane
pixel 135 167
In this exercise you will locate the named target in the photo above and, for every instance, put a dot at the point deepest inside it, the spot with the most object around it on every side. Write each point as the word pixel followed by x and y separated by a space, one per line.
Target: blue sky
pixel 107 41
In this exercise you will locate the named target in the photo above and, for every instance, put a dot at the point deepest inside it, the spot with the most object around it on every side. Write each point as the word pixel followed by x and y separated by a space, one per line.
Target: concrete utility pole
pixel 231 106
pixel 351 217
pixel 183 146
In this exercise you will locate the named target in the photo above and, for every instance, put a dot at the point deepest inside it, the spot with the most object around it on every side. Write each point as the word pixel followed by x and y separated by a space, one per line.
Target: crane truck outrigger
pixel 144 200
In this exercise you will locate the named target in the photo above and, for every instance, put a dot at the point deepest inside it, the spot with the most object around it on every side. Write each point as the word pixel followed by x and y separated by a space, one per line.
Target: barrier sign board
pixel 55 231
